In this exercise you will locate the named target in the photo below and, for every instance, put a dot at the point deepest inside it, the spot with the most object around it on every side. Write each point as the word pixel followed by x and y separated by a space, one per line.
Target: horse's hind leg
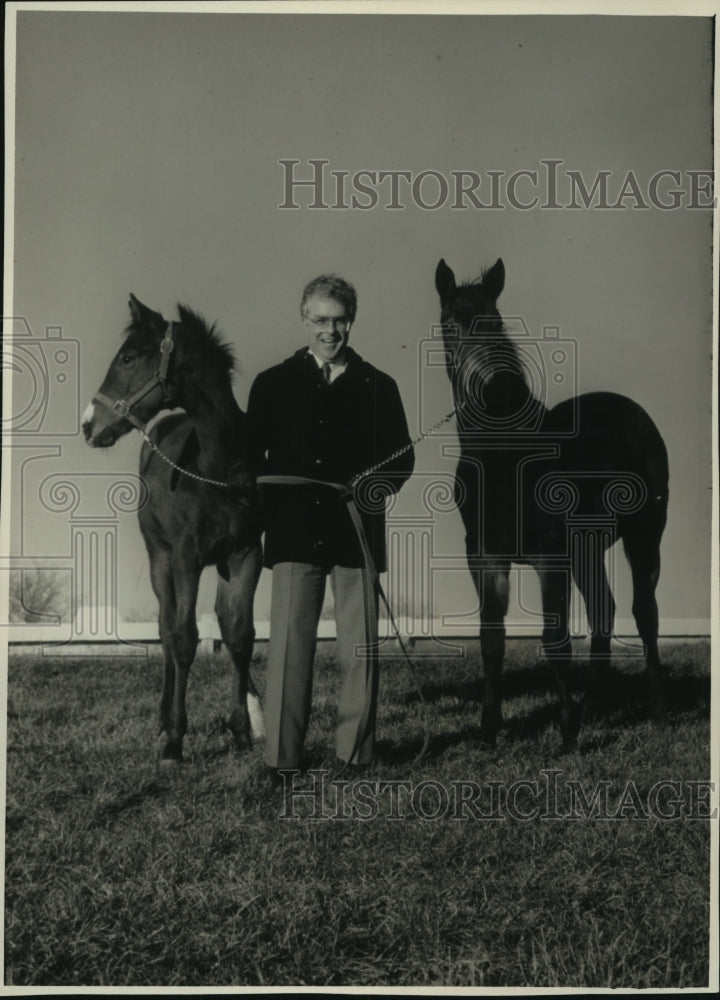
pixel 555 587
pixel 643 552
pixel 234 609
pixel 492 583
pixel 591 578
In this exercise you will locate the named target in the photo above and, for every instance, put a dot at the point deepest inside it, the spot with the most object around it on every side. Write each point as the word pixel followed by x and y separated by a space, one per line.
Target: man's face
pixel 327 326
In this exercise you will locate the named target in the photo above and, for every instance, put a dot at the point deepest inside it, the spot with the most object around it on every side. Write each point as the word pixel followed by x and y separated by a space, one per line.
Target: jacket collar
pixel 301 360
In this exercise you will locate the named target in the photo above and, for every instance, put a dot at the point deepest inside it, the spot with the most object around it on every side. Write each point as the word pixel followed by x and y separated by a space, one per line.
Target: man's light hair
pixel 332 287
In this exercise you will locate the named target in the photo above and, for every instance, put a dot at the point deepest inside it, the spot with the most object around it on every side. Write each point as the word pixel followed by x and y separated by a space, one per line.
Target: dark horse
pixel 189 521
pixel 552 488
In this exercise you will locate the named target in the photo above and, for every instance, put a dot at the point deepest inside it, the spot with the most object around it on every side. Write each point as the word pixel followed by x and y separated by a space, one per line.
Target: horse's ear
pixel 494 280
pixel 444 281
pixel 144 316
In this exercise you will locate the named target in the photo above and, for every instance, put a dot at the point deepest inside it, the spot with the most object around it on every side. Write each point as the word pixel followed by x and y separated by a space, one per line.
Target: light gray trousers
pixel 298 591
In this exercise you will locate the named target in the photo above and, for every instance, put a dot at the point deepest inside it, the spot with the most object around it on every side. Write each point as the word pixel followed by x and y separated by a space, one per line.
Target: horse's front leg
pixel 555 588
pixel 234 609
pixel 164 587
pixel 492 582
pixel 183 644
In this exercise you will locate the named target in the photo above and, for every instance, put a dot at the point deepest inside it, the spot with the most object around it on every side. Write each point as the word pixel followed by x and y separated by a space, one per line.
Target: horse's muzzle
pixel 104 438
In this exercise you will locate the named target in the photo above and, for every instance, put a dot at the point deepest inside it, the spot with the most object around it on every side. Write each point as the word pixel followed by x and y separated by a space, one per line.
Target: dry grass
pixel 120 873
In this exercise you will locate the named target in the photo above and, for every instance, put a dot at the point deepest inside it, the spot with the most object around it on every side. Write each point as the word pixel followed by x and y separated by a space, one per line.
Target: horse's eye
pixel 127 359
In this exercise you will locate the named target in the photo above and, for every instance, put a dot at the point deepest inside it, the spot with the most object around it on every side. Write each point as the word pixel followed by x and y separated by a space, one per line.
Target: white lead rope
pixel 401 451
pixel 178 468
pixel 372 577
pixel 353 482
pixel 371 580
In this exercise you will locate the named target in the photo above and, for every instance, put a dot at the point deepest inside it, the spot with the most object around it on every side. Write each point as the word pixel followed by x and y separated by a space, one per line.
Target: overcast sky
pixel 148 149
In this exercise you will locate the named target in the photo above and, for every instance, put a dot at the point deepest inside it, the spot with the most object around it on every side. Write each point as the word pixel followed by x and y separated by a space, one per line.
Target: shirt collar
pixel 333 364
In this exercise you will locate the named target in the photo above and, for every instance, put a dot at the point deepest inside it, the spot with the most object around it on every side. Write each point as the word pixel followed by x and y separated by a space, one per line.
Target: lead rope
pixel 353 482
pixel 370 573
pixel 371 582
pixel 401 451
pixel 178 468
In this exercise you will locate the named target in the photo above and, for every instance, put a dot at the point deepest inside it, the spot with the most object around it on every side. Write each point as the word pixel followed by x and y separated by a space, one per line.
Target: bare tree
pixel 39 595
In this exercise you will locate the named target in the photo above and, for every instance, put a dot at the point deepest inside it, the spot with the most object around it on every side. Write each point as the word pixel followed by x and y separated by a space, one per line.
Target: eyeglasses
pixel 329 322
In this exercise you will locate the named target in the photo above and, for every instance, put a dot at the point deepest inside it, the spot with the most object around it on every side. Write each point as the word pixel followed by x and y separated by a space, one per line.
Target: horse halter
pixel 123 407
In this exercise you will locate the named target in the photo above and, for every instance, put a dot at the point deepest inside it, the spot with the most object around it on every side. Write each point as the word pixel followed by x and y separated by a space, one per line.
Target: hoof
pixel 570 726
pixel 242 743
pixel 172 754
pixel 241 734
pixel 490 725
pixel 488 737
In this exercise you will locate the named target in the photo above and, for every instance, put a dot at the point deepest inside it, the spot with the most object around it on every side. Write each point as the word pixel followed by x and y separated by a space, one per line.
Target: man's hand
pixel 347 492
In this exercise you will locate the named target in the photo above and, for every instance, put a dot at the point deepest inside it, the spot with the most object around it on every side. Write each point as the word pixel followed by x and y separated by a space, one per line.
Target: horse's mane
pixel 208 337
pixel 475 281
pixel 204 341
pixel 510 351
pixel 209 360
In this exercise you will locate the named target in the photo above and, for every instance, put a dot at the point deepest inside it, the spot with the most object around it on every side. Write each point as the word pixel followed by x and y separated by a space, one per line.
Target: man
pixel 324 414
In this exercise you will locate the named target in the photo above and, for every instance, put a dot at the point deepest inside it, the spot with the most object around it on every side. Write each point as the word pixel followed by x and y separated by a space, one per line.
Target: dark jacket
pixel 299 425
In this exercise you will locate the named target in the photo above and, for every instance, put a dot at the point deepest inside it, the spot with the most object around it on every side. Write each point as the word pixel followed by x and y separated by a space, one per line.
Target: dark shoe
pixel 280 777
pixel 273 778
pixel 348 771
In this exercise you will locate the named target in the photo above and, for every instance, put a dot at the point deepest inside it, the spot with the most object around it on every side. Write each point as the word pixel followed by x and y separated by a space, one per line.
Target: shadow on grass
pixel 620 696
pixel 149 790
pixel 391 754
pixel 529 726
pixel 682 692
pixel 624 698
pixel 520 681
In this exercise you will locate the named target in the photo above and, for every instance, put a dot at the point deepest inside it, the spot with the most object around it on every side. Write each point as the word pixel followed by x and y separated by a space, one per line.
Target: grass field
pixel 122 873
